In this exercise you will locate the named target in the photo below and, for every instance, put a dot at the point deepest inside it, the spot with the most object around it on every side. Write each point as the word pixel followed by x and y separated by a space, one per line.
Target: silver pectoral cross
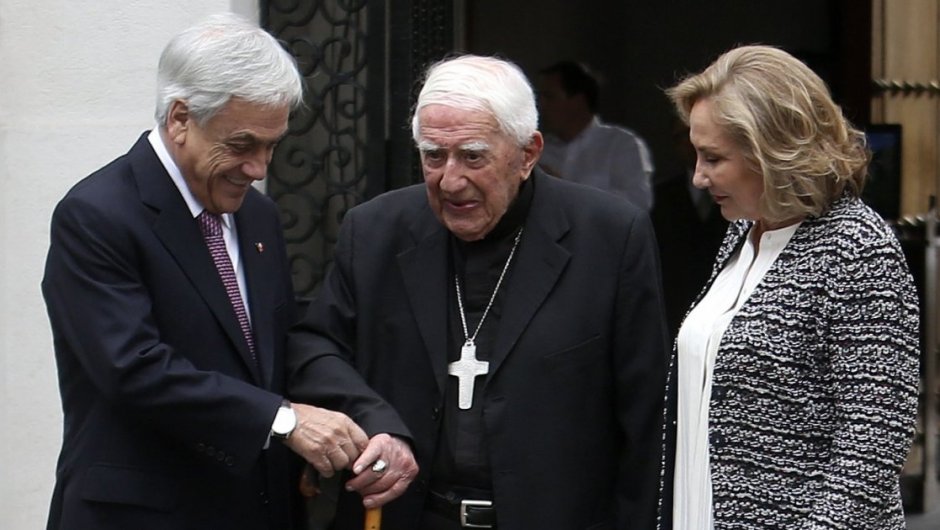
pixel 466 370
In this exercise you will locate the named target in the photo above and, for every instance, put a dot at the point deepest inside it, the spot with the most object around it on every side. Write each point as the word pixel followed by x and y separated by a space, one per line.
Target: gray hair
pixel 225 57
pixel 488 84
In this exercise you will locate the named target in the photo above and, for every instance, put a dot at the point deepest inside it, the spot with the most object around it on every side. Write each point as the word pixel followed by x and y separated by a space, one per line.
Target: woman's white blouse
pixel 698 342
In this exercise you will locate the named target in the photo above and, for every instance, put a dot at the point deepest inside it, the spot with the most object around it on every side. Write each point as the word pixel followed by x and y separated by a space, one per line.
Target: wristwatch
pixel 284 421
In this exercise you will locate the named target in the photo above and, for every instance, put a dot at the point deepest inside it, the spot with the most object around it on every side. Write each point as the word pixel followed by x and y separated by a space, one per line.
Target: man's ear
pixel 178 122
pixel 531 152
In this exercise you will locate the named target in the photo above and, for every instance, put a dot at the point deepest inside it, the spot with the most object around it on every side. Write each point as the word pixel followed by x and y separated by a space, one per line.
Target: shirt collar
pixel 507 227
pixel 516 214
pixel 195 207
pixel 588 130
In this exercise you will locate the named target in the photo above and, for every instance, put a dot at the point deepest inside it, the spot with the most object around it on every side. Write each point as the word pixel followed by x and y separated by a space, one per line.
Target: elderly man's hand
pixel 329 440
pixel 384 485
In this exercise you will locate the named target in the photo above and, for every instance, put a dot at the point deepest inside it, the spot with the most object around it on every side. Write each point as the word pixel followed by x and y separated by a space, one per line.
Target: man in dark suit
pixel 689 229
pixel 514 321
pixel 169 294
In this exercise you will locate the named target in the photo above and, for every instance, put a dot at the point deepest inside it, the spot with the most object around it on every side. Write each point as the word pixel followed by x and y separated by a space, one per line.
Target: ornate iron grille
pixel 360 60
pixel 319 171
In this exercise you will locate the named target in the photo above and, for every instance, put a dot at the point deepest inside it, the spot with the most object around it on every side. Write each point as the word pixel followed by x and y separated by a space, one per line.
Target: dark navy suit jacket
pixel 166 415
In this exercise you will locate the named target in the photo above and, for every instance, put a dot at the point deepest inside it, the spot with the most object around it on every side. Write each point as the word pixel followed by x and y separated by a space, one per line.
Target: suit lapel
pixel 541 260
pixel 540 256
pixel 424 270
pixel 175 227
pixel 253 239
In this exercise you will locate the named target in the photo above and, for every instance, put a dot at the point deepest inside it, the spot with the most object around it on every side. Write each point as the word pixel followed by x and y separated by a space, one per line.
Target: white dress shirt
pixel 605 156
pixel 698 341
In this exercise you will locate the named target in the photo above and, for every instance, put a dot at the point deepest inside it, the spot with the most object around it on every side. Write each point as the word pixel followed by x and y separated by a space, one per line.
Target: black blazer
pixel 165 412
pixel 687 245
pixel 573 400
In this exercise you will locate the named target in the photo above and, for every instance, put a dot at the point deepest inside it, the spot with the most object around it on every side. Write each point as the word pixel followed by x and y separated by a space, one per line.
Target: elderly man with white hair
pixel 513 320
pixel 169 294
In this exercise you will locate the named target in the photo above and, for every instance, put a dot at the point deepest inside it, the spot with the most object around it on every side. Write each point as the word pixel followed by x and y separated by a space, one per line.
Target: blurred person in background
pixel 579 146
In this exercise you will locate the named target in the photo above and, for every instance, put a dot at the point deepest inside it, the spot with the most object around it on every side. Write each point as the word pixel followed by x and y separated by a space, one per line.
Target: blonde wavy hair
pixel 782 116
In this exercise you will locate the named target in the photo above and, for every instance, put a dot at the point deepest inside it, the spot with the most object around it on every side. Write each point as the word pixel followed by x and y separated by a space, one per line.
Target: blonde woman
pixel 793 389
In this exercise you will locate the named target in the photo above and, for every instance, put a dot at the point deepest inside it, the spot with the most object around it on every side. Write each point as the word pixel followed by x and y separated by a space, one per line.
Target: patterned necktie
pixel 211 225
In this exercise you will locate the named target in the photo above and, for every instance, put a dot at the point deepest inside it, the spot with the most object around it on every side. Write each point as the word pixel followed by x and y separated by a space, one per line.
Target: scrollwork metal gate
pixel 361 60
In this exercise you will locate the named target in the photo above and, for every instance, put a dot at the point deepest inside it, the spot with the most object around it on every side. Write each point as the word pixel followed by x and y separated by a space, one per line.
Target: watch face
pixel 284 422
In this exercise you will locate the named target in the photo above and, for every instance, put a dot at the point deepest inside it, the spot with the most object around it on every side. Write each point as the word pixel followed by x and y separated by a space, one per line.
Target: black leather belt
pixel 470 513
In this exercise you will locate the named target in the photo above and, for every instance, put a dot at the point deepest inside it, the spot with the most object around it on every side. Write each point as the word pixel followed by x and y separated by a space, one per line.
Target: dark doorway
pixel 644 47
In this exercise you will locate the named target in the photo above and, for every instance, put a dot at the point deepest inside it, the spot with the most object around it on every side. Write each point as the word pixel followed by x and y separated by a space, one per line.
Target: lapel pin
pixel 259 246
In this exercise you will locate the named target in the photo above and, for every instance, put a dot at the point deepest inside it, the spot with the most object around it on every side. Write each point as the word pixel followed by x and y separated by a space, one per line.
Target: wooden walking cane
pixel 374 515
pixel 373 518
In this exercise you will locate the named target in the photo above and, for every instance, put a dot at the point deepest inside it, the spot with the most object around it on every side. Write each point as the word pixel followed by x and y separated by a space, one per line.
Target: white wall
pixel 76 90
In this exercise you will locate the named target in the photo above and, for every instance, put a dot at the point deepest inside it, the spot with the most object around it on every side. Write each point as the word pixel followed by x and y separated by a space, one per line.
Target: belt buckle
pixel 466 503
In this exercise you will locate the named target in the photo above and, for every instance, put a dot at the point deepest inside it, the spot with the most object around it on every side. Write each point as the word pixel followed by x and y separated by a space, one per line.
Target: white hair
pixel 472 82
pixel 223 57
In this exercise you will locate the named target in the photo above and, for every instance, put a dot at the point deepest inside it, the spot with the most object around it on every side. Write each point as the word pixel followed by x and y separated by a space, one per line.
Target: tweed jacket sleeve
pixel 815 382
pixel 873 348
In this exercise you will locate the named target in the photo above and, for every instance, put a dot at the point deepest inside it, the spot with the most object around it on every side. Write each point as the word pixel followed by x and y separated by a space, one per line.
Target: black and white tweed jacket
pixel 815 383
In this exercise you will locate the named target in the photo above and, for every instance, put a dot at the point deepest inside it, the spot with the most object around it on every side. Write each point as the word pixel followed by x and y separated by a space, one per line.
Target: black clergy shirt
pixel 462 459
